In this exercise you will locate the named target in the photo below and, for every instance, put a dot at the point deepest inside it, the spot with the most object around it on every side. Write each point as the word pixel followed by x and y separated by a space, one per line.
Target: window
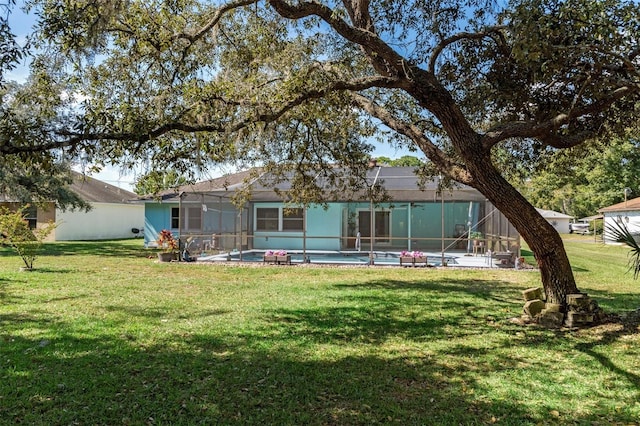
pixel 279 219
pixel 175 218
pixel 191 219
pixel 31 216
pixel 267 219
pixel 293 220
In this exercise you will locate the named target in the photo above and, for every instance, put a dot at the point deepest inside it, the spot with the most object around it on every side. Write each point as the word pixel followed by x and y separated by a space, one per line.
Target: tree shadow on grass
pixel 578 269
pixel 248 379
pixel 313 365
pixel 7 297
pixel 155 313
pixel 618 327
pixel 208 381
pixel 123 248
pixel 614 302
pixel 486 290
pixel 373 311
pixel 46 270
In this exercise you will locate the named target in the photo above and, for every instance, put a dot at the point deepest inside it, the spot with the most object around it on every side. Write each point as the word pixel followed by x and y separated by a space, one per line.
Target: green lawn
pixel 102 334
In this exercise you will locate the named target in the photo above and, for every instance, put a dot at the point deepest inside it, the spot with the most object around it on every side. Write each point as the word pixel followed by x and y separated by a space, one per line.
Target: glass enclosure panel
pixel 382 226
pixel 194 218
pixel 364 223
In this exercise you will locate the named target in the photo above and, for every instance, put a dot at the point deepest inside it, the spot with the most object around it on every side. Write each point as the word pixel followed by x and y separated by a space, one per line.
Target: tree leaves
pixel 618 232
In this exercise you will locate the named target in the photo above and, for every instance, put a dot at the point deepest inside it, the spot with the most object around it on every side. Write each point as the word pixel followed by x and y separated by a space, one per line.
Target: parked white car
pixel 579 228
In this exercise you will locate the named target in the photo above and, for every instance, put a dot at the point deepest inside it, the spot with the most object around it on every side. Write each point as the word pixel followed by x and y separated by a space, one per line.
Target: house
pixel 114 213
pixel 559 221
pixel 626 213
pixel 416 218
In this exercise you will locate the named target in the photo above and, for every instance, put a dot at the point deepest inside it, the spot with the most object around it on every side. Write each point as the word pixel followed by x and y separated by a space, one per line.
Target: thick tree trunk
pixel 542 238
pixel 480 173
pixel 545 242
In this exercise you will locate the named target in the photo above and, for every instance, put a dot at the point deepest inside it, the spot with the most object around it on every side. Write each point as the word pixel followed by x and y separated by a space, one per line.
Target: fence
pixel 228 242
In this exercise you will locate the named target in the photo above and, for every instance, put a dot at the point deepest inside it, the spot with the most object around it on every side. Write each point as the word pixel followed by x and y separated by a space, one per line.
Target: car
pixel 579 228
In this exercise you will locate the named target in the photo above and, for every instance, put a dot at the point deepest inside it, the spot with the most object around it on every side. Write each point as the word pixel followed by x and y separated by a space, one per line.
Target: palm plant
pixel 619 232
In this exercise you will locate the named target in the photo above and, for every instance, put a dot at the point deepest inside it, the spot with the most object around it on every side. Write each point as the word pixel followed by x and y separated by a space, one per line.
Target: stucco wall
pixel 46 215
pixel 105 221
pixel 560 224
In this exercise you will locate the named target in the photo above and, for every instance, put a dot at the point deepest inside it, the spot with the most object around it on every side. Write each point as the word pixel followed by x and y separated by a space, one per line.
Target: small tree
pixel 15 232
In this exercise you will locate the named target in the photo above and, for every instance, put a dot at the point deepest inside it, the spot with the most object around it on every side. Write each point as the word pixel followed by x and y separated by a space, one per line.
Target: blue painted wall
pixel 327 229
pixel 323 230
pixel 156 218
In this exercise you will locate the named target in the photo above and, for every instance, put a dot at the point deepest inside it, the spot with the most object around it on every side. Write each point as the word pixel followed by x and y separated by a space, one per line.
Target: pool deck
pixel 454 259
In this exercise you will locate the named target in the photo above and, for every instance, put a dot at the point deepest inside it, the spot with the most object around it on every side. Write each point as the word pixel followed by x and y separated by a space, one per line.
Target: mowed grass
pixel 102 334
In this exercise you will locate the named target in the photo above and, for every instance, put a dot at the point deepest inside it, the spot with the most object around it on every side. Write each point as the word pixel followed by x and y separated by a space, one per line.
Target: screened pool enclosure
pixel 426 219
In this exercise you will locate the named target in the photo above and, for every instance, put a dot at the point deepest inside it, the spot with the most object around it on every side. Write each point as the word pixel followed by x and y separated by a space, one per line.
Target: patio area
pixel 377 258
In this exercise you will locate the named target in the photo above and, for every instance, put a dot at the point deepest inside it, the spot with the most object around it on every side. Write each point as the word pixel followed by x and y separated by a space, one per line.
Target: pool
pixel 334 257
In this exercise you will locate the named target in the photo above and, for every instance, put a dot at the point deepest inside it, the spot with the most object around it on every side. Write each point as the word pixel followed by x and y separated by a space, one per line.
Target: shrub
pixel 15 232
pixel 167 242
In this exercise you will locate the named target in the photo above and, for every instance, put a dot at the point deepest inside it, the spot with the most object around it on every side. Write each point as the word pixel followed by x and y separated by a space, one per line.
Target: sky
pixel 22 24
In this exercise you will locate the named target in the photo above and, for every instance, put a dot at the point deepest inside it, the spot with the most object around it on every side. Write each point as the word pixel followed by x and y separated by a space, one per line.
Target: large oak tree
pixel 301 84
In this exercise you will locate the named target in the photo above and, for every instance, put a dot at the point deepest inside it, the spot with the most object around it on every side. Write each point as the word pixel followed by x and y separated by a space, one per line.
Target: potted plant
pixel 277 256
pixel 475 235
pixel 478 241
pixel 168 244
pixel 412 257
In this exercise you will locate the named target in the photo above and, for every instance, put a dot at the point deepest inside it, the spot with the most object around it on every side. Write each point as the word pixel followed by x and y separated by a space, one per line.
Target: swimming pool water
pixel 350 258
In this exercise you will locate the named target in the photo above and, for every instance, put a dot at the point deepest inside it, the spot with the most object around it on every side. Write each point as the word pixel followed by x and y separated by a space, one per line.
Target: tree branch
pixel 215 18
pixel 374 46
pixel 546 131
pixel 259 113
pixel 435 154
pixel 10 149
pixel 439 48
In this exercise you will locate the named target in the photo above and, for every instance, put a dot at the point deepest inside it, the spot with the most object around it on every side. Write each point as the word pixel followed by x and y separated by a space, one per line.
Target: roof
pixel 401 183
pixel 629 205
pixel 221 186
pixel 96 191
pixel 93 190
pixel 591 218
pixel 550 214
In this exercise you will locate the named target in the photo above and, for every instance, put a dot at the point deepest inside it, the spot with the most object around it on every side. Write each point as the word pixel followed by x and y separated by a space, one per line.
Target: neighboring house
pixel 626 213
pixel 113 215
pixel 415 219
pixel 558 220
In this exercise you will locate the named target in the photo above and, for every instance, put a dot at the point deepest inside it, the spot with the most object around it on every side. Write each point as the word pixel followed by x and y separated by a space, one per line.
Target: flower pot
pixel 406 261
pixel 166 257
pixel 270 258
pixel 412 261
